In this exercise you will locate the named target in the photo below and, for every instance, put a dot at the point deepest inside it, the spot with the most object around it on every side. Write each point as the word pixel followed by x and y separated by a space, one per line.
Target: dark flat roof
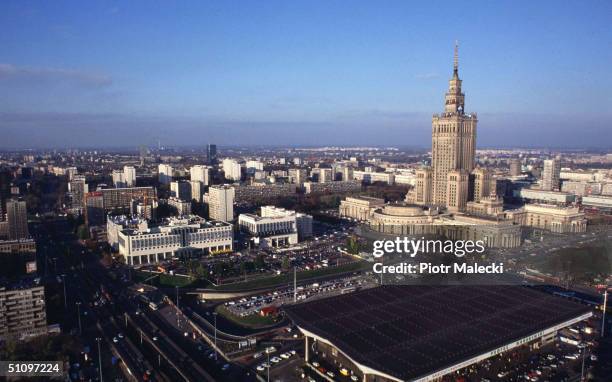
pixel 413 331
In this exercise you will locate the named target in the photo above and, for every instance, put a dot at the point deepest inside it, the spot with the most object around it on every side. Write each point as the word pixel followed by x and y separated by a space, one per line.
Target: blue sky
pixel 538 73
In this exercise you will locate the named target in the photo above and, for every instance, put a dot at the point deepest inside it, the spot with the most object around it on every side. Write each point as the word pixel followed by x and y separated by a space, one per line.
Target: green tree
pixel 352 245
pixel 83 232
pixel 285 264
pixel 260 262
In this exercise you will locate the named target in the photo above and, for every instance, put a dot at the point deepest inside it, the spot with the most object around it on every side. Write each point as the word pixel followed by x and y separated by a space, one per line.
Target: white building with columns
pixel 176 237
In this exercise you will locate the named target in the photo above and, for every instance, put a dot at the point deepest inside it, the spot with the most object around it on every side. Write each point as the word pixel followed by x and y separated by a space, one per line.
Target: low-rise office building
pixel 531 195
pixel 549 217
pixel 175 237
pixel 373 177
pixel 359 207
pixel 276 226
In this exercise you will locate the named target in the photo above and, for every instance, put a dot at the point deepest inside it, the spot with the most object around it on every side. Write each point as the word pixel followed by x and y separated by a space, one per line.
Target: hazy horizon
pixel 116 74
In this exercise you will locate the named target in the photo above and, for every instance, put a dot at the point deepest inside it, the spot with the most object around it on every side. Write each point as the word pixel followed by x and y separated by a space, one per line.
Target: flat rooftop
pixel 410 332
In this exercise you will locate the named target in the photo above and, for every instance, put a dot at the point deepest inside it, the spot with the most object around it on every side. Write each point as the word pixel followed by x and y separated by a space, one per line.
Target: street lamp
pixel 583 348
pixel 65 298
pixel 215 316
pixel 98 339
pixel 78 305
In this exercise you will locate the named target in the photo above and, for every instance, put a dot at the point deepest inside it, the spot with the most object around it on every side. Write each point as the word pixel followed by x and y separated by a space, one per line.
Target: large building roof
pixel 410 332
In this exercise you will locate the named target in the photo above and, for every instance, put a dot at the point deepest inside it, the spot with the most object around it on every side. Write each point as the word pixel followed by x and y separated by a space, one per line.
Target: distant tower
pixel 211 154
pixel 453 143
pixel 143 155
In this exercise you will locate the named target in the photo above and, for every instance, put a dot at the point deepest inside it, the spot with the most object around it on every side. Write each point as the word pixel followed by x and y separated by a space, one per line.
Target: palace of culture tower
pixel 451 180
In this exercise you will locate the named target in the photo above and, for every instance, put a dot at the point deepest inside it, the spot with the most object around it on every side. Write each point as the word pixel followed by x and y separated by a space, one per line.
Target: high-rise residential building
pixel 78 188
pixel 200 173
pixel 164 173
pixel 94 208
pixel 482 184
pixel 453 143
pixel 298 175
pixel 71 172
pixel 180 190
pixel 22 311
pixel 196 190
pixel 221 203
pixel 118 179
pixel 232 169
pixel 325 175
pixel 551 175
pixel 254 165
pixel 515 167
pixel 183 207
pixel 347 173
pixel 129 176
pixel 17 219
pixel 122 198
pixel 211 154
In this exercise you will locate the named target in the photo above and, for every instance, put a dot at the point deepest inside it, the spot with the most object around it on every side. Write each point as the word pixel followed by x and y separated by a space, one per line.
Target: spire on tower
pixel 456 59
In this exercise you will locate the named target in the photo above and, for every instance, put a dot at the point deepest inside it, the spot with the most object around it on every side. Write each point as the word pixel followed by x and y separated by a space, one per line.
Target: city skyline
pixel 299 75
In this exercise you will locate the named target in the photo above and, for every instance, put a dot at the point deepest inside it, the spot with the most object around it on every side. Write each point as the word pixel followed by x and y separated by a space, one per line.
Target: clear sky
pixel 538 73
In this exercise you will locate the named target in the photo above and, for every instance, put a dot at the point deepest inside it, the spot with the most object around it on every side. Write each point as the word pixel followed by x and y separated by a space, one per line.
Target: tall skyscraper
pixel 17 218
pixel 221 203
pixel 551 175
pixel 211 154
pixel 453 144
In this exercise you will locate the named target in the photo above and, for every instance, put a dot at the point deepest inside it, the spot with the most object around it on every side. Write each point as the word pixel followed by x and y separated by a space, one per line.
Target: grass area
pixel 287 278
pixel 253 321
pixel 165 280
